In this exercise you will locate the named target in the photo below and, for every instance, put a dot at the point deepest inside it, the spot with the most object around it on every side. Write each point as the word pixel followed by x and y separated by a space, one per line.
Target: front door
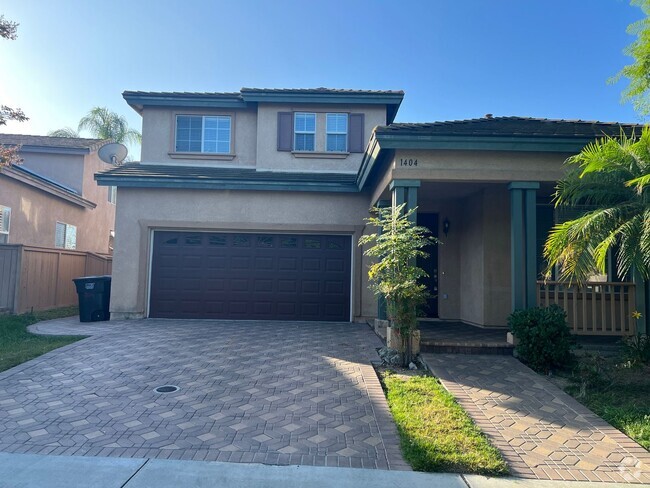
pixel 430 265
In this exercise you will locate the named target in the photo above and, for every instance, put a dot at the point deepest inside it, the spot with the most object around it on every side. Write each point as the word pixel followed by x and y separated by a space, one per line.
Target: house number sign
pixel 408 162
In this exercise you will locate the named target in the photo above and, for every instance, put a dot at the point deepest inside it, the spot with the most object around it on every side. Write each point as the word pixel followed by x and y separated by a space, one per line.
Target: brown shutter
pixel 285 131
pixel 356 140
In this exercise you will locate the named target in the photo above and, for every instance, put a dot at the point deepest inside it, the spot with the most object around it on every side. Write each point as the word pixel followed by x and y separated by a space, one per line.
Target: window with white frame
pixel 112 194
pixel 304 125
pixel 5 220
pixel 337 132
pixel 65 236
pixel 203 133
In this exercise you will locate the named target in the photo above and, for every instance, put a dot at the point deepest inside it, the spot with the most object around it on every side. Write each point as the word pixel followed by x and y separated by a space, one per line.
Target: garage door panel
pixel 250 276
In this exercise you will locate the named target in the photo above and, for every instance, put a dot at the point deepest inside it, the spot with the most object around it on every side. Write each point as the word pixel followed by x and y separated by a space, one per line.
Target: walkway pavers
pixel 260 392
pixel 542 432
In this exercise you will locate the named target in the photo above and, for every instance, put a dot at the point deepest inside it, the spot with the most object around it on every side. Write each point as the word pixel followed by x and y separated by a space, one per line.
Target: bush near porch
pixel 436 434
pixel 17 345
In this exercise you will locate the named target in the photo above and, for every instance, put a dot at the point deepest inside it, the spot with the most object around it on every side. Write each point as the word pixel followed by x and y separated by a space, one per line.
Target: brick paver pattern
pixel 542 432
pixel 267 392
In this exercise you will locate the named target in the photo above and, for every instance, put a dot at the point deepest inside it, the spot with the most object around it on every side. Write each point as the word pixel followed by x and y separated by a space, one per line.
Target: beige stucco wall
pixel 34 212
pixel 488 166
pixel 158 137
pixel 141 210
pixel 67 169
pixel 268 157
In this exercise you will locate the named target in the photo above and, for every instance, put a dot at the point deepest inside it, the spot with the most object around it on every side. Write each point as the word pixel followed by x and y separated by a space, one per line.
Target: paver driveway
pixel 269 392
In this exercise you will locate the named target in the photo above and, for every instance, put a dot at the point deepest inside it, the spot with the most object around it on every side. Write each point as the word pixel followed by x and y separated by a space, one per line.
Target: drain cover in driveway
pixel 166 389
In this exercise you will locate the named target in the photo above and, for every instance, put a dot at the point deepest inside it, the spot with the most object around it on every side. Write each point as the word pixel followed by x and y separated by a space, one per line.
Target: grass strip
pixel 17 345
pixel 436 434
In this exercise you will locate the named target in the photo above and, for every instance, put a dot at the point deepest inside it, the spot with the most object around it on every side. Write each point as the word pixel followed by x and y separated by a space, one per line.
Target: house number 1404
pixel 408 162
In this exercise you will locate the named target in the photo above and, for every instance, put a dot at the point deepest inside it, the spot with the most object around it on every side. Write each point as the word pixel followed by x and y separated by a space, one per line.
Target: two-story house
pixel 51 200
pixel 250 205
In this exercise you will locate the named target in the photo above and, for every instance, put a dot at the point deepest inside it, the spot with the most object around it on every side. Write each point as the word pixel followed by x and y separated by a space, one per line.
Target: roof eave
pixel 483 143
pixel 220 184
pixel 48 188
pixel 138 101
pixel 329 98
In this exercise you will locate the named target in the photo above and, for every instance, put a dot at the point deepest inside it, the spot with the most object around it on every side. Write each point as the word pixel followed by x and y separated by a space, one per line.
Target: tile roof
pixel 512 127
pixel 288 91
pixel 207 173
pixel 184 94
pixel 323 90
pixel 48 141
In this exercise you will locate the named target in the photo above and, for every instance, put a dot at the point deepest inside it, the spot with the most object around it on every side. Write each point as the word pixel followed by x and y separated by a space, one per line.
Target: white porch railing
pixel 593 309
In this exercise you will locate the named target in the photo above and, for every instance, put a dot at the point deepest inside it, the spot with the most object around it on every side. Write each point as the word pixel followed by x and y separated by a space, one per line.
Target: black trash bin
pixel 94 297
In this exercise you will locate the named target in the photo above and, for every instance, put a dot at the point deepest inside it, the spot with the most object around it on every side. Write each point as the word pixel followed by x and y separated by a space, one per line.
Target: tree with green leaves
pixel 638 90
pixel 395 275
pixel 102 123
pixel 611 178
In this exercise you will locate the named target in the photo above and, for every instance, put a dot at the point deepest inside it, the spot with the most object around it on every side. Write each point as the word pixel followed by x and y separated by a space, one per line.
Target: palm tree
pixel 611 177
pixel 65 132
pixel 102 124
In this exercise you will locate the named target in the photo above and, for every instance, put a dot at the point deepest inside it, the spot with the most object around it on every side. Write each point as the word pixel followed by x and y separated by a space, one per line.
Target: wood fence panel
pixel 70 266
pixel 97 265
pixel 9 275
pixel 38 278
pixel 42 277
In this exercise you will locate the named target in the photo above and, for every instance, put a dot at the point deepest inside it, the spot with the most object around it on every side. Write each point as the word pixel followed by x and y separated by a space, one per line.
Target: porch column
pixel 642 302
pixel 405 191
pixel 523 243
pixel 381 301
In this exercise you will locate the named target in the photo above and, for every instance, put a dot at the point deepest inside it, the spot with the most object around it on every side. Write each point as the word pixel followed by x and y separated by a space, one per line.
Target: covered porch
pixel 490 206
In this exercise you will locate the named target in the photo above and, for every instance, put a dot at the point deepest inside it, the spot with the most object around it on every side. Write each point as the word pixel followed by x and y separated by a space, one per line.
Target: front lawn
pixel 17 345
pixel 616 391
pixel 436 433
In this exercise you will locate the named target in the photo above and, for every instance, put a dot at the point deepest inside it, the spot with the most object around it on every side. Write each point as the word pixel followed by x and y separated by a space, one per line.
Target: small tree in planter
pixel 395 275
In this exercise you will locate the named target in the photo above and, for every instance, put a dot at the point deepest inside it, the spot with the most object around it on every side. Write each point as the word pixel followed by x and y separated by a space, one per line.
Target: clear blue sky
pixel 455 59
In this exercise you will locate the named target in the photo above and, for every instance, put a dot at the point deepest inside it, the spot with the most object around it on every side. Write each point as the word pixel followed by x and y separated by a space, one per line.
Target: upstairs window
pixel 304 131
pixel 337 132
pixel 204 134
pixel 65 236
pixel 5 218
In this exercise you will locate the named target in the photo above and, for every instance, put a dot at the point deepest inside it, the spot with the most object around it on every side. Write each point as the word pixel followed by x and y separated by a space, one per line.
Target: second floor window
pixel 65 236
pixel 337 132
pixel 112 194
pixel 206 134
pixel 304 131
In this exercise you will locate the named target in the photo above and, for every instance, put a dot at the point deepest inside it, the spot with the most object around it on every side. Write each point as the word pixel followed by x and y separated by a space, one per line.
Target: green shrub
pixel 544 338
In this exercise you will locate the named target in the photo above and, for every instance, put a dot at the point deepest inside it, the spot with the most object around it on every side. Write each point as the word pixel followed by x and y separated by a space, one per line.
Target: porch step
pixel 445 347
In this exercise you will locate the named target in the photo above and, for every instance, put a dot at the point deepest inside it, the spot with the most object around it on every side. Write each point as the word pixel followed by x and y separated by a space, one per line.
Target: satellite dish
pixel 113 153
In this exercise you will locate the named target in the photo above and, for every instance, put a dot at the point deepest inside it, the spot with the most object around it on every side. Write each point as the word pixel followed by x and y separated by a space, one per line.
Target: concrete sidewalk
pixel 31 471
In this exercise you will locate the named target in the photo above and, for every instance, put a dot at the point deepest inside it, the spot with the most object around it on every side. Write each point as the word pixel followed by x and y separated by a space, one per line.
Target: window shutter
pixel 285 131
pixel 356 140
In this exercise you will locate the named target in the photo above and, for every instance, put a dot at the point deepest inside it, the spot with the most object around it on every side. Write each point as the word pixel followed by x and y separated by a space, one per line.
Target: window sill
pixel 320 155
pixel 198 155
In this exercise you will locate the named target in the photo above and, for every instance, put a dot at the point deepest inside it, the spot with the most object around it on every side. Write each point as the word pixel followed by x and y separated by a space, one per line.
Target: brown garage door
pixel 250 276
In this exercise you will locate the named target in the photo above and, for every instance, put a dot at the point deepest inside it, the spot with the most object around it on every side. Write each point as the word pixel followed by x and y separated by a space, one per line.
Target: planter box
pixel 394 340
pixel 380 328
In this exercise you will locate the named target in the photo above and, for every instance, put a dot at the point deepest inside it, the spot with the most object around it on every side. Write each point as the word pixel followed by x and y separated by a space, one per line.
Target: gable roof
pixel 42 143
pixel 513 127
pixel 391 98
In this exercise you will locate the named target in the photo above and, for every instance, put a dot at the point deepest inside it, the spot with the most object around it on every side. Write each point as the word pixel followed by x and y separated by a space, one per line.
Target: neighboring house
pixel 51 199
pixel 250 205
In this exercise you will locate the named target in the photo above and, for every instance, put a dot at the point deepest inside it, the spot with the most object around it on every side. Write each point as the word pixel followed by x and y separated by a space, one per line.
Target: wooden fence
pixel 38 278
pixel 595 308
